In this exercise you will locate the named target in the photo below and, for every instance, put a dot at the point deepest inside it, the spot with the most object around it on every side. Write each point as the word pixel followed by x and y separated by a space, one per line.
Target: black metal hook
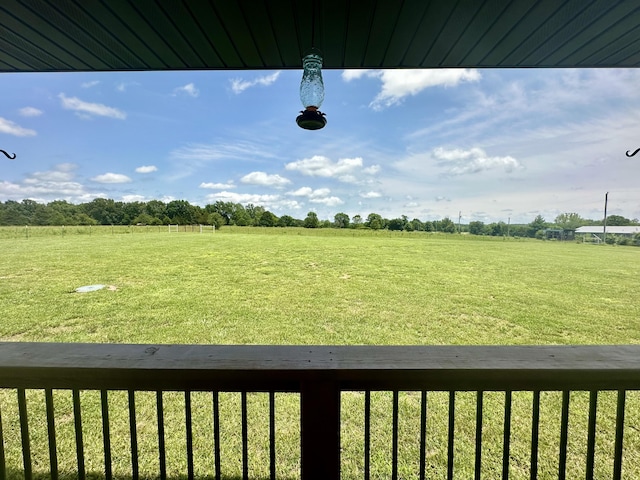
pixel 8 156
pixel 638 150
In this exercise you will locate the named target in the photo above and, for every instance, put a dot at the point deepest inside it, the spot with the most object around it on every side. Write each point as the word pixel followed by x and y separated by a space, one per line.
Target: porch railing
pixel 320 374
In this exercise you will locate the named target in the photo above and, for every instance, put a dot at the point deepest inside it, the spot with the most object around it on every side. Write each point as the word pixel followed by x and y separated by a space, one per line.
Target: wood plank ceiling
pixel 103 35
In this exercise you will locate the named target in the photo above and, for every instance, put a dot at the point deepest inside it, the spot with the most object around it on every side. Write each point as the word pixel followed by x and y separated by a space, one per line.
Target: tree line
pixel 103 211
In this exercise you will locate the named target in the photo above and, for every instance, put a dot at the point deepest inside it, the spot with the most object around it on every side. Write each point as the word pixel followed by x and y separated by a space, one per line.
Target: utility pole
pixel 508 226
pixel 604 239
pixel 459 217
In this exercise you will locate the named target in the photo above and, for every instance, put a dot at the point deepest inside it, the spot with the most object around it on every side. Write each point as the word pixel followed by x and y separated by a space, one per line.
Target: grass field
pixel 299 286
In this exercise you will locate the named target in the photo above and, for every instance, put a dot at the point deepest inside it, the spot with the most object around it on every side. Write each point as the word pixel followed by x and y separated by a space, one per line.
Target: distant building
pixel 596 232
pixel 599 229
pixel 559 234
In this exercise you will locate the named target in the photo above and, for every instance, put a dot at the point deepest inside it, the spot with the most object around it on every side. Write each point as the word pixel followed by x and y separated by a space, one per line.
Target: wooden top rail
pixel 286 368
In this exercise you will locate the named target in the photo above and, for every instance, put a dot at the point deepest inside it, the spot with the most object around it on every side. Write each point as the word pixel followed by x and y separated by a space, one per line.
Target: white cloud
pixel 475 160
pixel 319 195
pixel 371 195
pixel 111 178
pixel 90 84
pixel 262 178
pixel 244 198
pixel 82 107
pixel 190 89
pixel 11 128
pixel 397 84
pixel 147 169
pixel 57 183
pixel 238 85
pixel 347 170
pixel 122 86
pixel 62 173
pixel 42 191
pixel 206 152
pixel 348 75
pixel 133 198
pixel 553 103
pixel 310 192
pixel 192 157
pixel 328 201
pixel 289 204
pixel 30 112
pixel 66 167
pixel 217 186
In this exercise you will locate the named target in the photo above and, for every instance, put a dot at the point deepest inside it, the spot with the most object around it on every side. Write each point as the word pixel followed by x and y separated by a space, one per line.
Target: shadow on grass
pixel 18 474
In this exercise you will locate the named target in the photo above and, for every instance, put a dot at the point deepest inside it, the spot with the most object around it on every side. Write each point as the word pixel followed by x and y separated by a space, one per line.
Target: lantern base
pixel 311 120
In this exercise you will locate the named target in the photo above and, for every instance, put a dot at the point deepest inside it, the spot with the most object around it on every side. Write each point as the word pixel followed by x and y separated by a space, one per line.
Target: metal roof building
pixel 597 229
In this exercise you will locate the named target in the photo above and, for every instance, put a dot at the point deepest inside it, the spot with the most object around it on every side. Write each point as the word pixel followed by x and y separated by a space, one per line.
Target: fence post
pixel 320 429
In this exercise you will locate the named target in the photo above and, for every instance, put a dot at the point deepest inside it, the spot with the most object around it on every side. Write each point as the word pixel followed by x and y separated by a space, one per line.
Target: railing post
pixel 320 430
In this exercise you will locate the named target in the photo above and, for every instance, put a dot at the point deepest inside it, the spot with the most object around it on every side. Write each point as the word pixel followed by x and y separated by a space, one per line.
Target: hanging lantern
pixel 312 92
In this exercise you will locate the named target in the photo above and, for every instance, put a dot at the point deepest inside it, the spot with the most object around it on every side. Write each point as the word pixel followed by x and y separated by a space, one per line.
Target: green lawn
pixel 293 287
pixel 298 286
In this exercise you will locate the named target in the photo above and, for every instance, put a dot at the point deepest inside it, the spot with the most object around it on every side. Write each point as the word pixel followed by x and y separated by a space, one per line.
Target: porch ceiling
pixel 103 35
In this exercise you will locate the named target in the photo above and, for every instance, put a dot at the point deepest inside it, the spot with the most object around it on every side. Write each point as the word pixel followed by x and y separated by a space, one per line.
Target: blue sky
pixel 492 144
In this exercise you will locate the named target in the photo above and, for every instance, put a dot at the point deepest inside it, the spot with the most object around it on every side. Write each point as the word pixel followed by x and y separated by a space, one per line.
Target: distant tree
pixel 534 227
pixel 255 213
pixel 396 224
pixel 32 210
pixel 181 212
pixel 216 219
pixel 417 225
pixel 311 220
pixel 224 209
pixel 516 230
pixel 476 228
pixel 569 221
pixel 201 215
pixel 130 211
pixel 13 214
pixel 375 221
pixel 104 210
pixel 618 221
pixel 325 224
pixel 341 220
pixel 590 221
pixel 82 219
pixel 428 226
pixel 496 229
pixel 268 219
pixel 356 221
pixel 446 225
pixel 60 212
pixel 155 208
pixel 239 216
pixel 286 221
pixel 143 219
